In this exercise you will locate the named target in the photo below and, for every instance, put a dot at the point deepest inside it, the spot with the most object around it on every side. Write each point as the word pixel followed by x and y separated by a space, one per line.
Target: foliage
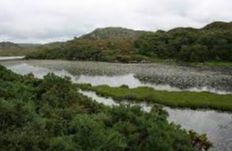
pixel 51 115
pixel 107 44
pixel 200 141
pixel 175 99
pixel 112 44
pixel 212 43
pixel 91 50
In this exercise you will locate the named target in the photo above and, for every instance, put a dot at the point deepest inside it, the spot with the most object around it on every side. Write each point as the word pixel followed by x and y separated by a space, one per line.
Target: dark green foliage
pixel 219 25
pixel 107 44
pixel 200 140
pixel 212 43
pixel 92 50
pixel 51 115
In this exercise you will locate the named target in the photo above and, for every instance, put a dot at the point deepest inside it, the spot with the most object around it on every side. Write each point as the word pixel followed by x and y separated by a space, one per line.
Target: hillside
pixel 113 33
pixel 112 44
pixel 4 45
pixel 14 49
pixel 29 45
pixel 213 42
pixel 219 26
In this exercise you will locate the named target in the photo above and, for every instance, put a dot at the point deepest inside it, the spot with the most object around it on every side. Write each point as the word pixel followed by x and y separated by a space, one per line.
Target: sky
pixel 42 21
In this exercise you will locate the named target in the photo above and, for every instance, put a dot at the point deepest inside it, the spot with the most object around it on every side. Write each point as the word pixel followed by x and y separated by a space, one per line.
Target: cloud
pixel 51 20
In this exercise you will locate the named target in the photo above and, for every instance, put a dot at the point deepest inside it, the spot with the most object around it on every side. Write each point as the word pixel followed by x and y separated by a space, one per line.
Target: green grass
pixel 215 64
pixel 192 100
pixel 194 64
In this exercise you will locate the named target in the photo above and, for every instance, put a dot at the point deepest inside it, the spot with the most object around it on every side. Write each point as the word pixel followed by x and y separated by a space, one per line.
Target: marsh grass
pixel 194 100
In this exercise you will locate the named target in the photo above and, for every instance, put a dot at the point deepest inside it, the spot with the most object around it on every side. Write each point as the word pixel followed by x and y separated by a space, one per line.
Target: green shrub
pixel 51 115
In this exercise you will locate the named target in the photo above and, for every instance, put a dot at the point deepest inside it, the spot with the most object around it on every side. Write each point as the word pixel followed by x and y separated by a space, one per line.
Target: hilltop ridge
pixel 113 33
pixel 116 44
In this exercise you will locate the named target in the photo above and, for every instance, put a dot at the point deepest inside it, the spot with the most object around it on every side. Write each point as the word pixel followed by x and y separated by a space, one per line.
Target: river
pixel 217 125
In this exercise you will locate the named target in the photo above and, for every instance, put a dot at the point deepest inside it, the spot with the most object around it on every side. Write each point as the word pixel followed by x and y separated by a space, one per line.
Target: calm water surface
pixel 135 75
pixel 11 58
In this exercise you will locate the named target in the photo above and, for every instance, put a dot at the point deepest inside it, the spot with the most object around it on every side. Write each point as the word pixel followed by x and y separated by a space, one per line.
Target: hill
pixel 113 33
pixel 14 49
pixel 29 45
pixel 111 44
pixel 4 45
pixel 219 26
pixel 210 43
pixel 213 42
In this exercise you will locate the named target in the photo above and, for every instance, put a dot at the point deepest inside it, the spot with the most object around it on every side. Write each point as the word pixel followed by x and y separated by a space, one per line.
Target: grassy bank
pixel 193 100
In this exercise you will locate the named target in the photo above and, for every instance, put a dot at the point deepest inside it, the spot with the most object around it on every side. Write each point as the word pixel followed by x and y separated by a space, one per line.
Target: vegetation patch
pixel 51 115
pixel 209 44
pixel 186 99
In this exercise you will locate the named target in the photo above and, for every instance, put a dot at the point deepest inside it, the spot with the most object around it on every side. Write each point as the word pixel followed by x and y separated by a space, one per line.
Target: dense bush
pixel 50 114
pixel 109 44
pixel 188 44
pixel 211 43
pixel 90 50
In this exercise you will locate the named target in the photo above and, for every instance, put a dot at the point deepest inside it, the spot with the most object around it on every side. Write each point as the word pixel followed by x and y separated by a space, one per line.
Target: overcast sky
pixel 55 20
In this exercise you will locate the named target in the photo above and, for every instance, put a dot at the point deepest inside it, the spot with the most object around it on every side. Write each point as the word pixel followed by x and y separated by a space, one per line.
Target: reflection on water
pixel 11 57
pixel 216 80
pixel 116 80
pixel 39 72
pixel 94 96
pixel 111 102
pixel 217 125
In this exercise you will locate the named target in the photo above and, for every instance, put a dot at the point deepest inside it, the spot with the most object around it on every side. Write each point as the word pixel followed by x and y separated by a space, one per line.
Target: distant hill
pixel 14 49
pixel 52 45
pixel 29 45
pixel 111 44
pixel 213 42
pixel 219 26
pixel 10 45
pixel 113 33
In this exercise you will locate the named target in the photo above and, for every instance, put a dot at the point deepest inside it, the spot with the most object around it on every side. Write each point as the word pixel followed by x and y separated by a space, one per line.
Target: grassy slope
pixel 174 99
pixel 13 49
pixel 16 52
